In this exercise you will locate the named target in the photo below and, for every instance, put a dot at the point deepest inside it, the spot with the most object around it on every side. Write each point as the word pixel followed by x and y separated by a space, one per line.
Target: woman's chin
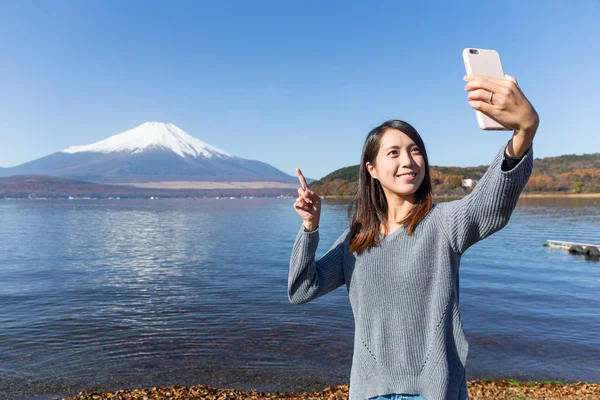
pixel 404 192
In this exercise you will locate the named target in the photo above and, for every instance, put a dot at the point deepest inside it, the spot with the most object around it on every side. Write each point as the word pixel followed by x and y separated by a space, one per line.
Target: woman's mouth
pixel 407 177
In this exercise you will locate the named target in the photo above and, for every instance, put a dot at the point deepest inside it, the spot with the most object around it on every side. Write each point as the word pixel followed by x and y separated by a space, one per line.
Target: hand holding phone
pixel 487 63
pixel 502 101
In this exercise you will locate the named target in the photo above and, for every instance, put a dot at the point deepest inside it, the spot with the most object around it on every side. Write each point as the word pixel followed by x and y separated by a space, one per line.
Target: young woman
pixel 400 256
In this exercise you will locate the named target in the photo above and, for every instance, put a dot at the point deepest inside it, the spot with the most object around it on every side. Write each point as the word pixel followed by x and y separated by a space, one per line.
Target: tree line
pixel 563 174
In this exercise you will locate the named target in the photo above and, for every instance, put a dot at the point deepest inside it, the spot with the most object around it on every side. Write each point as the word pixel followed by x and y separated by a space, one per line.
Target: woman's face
pixel 399 165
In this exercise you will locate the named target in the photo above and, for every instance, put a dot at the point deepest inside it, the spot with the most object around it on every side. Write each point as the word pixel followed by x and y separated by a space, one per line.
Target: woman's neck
pixel 399 207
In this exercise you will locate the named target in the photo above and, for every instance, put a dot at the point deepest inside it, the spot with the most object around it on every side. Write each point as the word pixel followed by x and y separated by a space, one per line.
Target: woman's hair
pixel 369 208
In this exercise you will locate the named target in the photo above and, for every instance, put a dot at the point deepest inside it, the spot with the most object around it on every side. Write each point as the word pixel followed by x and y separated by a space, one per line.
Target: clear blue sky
pixel 291 83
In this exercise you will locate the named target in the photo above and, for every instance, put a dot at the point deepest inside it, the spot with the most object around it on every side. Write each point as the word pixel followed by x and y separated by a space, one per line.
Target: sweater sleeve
pixel 510 162
pixel 309 279
pixel 489 206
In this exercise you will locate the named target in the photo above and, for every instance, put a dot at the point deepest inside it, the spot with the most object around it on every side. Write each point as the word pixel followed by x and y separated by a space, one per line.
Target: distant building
pixel 469 183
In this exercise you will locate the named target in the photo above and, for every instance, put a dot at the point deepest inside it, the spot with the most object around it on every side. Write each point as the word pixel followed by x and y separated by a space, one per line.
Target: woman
pixel 400 256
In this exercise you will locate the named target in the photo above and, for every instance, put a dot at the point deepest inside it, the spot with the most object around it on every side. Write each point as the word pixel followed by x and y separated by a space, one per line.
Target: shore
pixel 523 195
pixel 480 389
pixel 213 185
pixel 566 196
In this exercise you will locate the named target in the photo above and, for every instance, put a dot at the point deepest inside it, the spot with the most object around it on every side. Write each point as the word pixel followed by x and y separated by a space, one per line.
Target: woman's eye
pixel 391 152
pixel 415 150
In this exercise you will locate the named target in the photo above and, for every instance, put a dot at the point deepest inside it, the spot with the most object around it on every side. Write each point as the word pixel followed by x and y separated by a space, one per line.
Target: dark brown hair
pixel 369 208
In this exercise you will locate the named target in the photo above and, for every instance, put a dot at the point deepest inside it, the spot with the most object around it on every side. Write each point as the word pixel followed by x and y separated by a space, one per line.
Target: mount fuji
pixel 151 152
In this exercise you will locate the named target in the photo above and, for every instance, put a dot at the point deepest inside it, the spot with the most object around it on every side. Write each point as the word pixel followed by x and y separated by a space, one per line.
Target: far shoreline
pixel 568 195
pixel 523 195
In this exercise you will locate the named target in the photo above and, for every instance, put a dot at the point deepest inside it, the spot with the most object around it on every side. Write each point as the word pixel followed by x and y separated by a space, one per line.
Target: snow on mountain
pixel 152 152
pixel 153 135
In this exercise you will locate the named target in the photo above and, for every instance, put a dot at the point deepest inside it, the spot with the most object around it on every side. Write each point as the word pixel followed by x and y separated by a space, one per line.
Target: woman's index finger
pixel 485 78
pixel 301 178
pixel 491 84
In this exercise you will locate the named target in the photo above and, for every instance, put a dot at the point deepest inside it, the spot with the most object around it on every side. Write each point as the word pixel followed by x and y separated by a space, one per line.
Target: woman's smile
pixel 409 176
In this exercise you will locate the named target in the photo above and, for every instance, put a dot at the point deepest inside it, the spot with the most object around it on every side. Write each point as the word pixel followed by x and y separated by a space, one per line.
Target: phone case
pixel 484 62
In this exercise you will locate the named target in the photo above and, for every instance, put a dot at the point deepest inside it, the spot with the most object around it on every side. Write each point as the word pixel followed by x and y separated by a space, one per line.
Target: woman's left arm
pixel 489 207
pixel 508 106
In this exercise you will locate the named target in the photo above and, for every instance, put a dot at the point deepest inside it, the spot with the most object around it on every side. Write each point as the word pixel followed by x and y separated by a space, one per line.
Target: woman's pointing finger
pixel 302 180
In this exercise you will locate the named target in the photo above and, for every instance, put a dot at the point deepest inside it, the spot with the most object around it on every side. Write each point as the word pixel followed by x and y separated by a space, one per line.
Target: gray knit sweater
pixel 404 294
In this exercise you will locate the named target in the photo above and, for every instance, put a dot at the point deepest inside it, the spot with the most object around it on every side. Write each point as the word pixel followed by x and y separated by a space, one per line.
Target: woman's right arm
pixel 309 279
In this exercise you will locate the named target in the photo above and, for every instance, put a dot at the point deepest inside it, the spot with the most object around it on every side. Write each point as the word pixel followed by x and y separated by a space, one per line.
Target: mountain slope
pixel 150 136
pixel 151 152
pixel 567 173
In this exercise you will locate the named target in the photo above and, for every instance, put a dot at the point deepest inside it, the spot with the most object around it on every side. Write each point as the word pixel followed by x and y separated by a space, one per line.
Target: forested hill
pixel 565 174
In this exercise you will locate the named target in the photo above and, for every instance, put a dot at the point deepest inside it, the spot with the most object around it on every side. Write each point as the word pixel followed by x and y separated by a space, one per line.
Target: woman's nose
pixel 406 160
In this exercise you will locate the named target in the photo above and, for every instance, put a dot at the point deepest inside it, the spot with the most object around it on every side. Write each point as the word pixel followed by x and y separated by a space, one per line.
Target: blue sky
pixel 291 83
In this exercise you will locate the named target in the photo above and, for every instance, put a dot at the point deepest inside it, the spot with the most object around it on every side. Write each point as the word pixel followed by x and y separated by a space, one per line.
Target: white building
pixel 469 183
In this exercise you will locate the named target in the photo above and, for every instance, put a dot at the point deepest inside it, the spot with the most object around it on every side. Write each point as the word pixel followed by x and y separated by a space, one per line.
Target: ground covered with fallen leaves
pixel 478 390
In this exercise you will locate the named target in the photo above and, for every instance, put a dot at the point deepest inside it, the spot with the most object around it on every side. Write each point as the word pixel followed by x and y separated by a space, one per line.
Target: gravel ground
pixel 478 390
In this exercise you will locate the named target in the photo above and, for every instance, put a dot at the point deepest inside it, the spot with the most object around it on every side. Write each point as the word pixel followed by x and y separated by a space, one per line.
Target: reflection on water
pixel 114 294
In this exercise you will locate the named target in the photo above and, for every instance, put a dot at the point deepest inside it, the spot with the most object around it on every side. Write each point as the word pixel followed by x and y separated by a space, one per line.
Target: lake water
pixel 110 294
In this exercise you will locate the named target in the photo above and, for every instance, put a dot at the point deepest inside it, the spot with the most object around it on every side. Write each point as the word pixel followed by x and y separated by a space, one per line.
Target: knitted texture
pixel 404 293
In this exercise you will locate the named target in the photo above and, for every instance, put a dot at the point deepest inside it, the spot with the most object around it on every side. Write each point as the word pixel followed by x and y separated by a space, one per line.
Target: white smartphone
pixel 485 62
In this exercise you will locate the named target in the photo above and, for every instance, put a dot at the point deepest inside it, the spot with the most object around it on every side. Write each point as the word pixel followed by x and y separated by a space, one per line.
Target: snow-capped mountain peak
pixel 151 135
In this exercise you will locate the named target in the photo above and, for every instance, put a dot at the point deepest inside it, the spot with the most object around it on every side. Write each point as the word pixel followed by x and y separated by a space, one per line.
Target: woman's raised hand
pixel 507 105
pixel 308 204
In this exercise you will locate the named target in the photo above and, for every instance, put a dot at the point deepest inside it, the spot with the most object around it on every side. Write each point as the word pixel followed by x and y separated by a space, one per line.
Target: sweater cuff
pixel 307 241
pixel 510 162
pixel 522 169
pixel 302 230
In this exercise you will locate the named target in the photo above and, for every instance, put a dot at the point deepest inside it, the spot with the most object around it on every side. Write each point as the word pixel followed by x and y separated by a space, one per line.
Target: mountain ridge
pixel 150 152
pixel 566 173
pixel 152 134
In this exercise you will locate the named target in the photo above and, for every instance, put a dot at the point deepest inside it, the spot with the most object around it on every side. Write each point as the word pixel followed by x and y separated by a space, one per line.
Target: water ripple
pixel 107 294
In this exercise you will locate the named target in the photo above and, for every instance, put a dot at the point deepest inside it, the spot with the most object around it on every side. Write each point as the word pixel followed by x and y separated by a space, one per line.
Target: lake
pixel 113 294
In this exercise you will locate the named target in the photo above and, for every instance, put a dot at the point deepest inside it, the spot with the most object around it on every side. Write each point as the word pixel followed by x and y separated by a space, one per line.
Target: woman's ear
pixel 371 169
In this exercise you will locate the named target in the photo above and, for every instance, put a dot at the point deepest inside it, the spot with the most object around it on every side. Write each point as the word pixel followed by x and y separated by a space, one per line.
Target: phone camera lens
pixel 473 51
